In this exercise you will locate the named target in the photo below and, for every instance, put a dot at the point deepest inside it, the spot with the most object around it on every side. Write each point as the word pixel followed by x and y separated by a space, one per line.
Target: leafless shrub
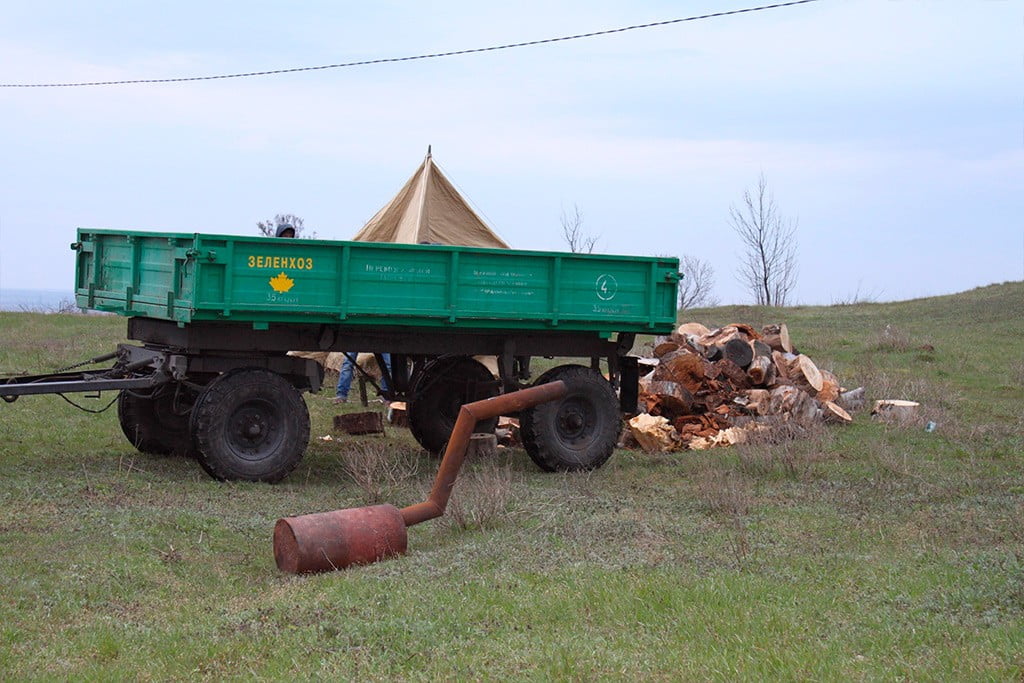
pixel 857 297
pixel 695 289
pixel 481 497
pixel 378 469
pixel 891 339
pixel 576 238
pixel 65 306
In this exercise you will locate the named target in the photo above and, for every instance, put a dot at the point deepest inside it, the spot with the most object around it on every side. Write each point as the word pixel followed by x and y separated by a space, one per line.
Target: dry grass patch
pixel 790 448
pixel 728 495
pixel 482 498
pixel 379 469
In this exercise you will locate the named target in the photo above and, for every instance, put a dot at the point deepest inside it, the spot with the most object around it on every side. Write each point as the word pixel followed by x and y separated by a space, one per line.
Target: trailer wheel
pixel 156 424
pixel 250 424
pixel 438 392
pixel 577 432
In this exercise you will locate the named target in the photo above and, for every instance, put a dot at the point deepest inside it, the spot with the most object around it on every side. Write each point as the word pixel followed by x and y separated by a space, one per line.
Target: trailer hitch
pixel 135 368
pixel 335 540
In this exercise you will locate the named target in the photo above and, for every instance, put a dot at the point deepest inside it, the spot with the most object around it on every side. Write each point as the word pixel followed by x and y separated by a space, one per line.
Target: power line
pixel 391 60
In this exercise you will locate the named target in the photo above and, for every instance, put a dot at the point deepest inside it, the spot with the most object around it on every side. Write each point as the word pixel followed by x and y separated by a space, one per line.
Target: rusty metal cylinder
pixel 334 540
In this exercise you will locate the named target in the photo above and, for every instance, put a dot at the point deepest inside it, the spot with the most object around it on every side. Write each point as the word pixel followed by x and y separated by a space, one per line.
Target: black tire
pixel 438 392
pixel 157 424
pixel 250 424
pixel 578 432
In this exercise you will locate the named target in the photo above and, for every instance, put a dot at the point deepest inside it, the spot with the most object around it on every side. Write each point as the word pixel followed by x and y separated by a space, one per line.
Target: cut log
pixel 664 346
pixel 713 353
pixel 805 374
pixel 758 401
pixel 734 373
pixel 785 399
pixel 761 349
pixel 673 398
pixel 746 331
pixel 739 351
pixel 777 337
pixel 832 412
pixel 397 414
pixel 781 366
pixel 684 368
pixel 895 409
pixel 695 329
pixel 760 371
pixel 829 387
pixel 809 410
pixel 852 400
pixel 711 399
pixel 360 423
pixel 720 336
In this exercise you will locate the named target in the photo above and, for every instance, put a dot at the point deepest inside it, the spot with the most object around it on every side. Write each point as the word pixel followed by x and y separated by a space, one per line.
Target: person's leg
pixel 384 376
pixel 344 378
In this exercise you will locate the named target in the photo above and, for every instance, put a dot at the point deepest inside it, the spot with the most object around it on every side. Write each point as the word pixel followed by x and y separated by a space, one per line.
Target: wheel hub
pixel 253 429
pixel 574 421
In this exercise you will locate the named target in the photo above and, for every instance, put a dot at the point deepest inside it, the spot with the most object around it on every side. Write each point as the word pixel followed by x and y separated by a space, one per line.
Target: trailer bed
pixel 187 278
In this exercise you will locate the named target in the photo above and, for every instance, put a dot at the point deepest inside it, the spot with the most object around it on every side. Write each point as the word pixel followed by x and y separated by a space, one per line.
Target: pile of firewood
pixel 707 388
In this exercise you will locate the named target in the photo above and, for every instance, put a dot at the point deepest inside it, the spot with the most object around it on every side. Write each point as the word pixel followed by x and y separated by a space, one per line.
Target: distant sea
pixel 35 300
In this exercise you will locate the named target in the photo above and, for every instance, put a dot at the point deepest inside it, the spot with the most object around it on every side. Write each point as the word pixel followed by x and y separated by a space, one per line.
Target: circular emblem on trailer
pixel 606 287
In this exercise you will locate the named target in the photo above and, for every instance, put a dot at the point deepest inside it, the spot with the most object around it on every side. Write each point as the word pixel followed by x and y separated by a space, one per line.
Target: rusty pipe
pixel 339 539
pixel 458 443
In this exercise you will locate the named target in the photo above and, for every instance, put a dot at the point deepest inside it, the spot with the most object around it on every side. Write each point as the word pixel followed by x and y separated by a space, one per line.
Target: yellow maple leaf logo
pixel 281 282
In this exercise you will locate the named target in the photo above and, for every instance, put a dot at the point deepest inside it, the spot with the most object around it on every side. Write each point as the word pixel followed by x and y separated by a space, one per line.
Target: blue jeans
pixel 345 375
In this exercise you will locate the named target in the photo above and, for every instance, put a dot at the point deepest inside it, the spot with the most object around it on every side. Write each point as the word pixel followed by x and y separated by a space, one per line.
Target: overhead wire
pixel 411 58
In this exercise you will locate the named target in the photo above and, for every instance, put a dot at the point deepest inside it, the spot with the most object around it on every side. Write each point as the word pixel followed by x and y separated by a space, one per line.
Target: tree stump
pixel 360 423
pixel 482 446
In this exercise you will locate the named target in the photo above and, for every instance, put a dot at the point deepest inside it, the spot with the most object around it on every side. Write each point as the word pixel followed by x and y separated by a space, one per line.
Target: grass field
pixel 864 552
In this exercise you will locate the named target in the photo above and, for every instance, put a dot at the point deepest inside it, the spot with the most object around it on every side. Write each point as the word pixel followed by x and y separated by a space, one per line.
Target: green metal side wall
pixel 193 277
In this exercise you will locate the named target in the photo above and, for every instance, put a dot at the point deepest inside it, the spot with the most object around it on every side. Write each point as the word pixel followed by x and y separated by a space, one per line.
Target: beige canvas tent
pixel 428 209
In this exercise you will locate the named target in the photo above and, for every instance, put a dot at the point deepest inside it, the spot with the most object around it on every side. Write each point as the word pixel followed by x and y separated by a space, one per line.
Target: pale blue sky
pixel 893 130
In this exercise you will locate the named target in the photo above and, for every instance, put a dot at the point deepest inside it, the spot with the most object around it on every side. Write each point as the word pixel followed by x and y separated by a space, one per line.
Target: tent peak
pixel 429 209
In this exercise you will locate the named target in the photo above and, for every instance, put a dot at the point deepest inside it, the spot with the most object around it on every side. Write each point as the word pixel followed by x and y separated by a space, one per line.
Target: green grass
pixel 871 551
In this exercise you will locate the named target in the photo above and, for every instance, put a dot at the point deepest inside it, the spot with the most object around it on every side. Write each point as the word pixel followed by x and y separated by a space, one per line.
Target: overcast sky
pixel 893 131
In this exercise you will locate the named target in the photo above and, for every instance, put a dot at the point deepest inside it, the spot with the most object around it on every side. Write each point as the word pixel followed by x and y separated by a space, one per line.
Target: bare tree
pixel 268 228
pixel 769 266
pixel 572 232
pixel 695 289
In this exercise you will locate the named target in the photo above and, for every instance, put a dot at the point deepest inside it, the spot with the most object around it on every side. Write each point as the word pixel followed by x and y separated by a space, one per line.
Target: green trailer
pixel 216 316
